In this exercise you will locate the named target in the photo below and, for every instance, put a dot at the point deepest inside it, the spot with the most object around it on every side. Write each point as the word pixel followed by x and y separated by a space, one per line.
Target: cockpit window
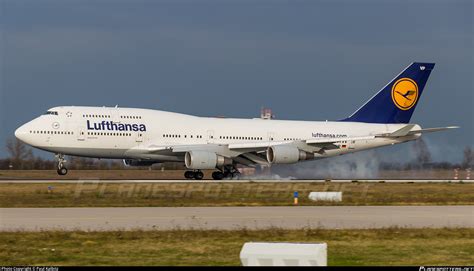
pixel 51 113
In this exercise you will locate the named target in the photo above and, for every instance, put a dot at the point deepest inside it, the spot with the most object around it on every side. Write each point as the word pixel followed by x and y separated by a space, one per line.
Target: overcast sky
pixel 310 60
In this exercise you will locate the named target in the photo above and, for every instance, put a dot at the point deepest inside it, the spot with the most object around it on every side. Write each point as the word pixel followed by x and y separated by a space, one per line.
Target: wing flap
pixel 322 141
pixel 255 145
pixel 155 149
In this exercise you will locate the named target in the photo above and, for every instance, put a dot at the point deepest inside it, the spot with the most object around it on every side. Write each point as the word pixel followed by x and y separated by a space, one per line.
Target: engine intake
pixel 287 155
pixel 204 160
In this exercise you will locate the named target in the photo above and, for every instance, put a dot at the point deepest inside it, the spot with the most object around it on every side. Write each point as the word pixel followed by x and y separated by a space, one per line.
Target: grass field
pixel 229 194
pixel 178 174
pixel 393 246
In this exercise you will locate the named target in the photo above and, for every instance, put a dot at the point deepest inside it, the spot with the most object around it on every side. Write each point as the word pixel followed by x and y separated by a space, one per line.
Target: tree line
pixel 423 160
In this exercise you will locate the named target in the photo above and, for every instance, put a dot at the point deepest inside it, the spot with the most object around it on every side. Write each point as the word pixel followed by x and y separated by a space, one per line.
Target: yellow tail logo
pixel 405 93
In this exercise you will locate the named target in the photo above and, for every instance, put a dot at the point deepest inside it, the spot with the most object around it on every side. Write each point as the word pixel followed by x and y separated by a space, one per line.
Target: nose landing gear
pixel 62 170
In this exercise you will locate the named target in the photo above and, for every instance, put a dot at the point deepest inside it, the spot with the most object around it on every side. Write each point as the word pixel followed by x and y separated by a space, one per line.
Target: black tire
pixel 217 175
pixel 198 175
pixel 189 174
pixel 62 171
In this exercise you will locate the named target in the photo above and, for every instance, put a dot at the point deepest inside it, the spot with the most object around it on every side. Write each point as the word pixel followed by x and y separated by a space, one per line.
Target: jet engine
pixel 287 155
pixel 205 160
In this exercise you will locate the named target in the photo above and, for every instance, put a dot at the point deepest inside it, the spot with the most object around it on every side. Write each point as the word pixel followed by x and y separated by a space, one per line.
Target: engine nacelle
pixel 205 160
pixel 138 163
pixel 287 155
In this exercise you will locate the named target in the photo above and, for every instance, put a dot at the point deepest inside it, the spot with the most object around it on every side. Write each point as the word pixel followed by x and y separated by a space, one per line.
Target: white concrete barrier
pixel 325 196
pixel 284 254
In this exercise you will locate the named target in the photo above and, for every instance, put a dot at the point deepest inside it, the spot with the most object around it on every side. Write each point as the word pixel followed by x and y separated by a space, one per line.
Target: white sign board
pixel 325 196
pixel 284 254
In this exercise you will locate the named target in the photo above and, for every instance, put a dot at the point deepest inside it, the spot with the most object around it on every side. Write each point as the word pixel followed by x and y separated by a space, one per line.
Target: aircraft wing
pixel 314 144
pixel 256 151
pixel 251 153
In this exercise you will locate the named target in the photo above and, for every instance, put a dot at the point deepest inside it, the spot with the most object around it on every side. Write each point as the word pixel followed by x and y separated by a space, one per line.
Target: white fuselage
pixel 123 133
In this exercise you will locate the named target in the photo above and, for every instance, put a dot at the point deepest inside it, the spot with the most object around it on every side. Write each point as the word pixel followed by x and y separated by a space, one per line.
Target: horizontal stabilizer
pixel 431 130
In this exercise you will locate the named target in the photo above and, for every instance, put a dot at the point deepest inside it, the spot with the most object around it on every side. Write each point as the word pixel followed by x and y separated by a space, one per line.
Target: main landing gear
pixel 196 174
pixel 226 172
pixel 62 170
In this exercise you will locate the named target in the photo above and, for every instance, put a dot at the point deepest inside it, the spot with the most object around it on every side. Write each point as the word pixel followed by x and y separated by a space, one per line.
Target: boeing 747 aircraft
pixel 142 137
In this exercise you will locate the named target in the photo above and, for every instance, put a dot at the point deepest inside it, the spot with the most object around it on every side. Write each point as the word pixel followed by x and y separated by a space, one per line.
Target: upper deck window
pixel 51 113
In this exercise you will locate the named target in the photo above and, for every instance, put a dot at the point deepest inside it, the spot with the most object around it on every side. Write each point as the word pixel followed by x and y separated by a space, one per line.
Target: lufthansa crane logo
pixel 405 93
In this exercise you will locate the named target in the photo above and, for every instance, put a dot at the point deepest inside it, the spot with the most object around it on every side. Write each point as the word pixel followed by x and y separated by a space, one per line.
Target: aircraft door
pixel 210 136
pixel 81 133
pixel 115 114
pixel 271 136
pixel 139 137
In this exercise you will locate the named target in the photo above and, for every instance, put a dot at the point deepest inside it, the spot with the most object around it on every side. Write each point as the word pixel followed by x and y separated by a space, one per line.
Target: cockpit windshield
pixel 51 113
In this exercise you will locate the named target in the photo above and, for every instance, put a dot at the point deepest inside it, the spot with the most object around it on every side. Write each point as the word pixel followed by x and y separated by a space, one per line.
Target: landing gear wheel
pixel 217 175
pixel 231 172
pixel 189 174
pixel 62 171
pixel 198 175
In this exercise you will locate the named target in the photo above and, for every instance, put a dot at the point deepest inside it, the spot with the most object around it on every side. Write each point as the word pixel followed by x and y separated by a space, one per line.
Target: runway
pixel 43 181
pixel 287 217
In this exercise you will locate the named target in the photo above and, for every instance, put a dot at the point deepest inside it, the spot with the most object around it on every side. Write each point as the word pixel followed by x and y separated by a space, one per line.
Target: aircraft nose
pixel 21 132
